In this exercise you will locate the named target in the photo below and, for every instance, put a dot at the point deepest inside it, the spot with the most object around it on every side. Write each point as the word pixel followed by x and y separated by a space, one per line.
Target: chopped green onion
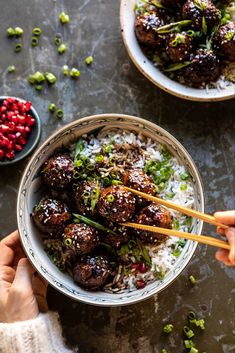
pixel 204 26
pixel 94 224
pixel 68 241
pixel 64 18
pixel 200 323
pixel 74 73
pixel 57 41
pixel 86 195
pixel 168 328
pixel 78 163
pixel 95 196
pixel 173 26
pixel 37 31
pixel 18 47
pixel 31 79
pixel 184 176
pixel 110 198
pixel 99 158
pixel 177 66
pixel 191 315
pixel 11 68
pixel 50 78
pixel 189 333
pixel 183 187
pixel 116 182
pixel 90 167
pixel 34 41
pixel 38 87
pixel 18 31
pixel 192 279
pixel 176 224
pixel 193 350
pixel 62 48
pixel 189 344
pixel 38 77
pixel 59 114
pixel 170 194
pixel 89 60
pixel 176 252
pixel 76 174
pixel 163 350
pixel 52 107
pixel 65 70
pixel 11 32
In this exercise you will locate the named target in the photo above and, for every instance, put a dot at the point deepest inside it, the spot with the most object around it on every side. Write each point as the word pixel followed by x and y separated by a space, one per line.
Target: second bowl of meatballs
pixel 74 201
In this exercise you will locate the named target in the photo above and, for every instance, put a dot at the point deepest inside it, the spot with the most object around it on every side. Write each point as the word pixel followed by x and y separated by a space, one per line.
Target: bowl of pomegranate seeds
pixel 20 129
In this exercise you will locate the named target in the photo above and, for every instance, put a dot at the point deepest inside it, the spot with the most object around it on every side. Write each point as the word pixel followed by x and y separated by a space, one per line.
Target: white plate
pixel 127 17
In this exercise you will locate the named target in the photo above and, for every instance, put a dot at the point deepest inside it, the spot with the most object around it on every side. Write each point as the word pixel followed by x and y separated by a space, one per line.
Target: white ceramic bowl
pixel 127 17
pixel 29 195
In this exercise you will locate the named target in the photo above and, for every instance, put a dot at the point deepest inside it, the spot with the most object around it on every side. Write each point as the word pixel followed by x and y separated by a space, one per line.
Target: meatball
pixel 138 180
pixel 122 235
pixel 51 216
pixel 116 204
pixel 86 197
pixel 179 46
pixel 145 30
pixel 92 272
pixel 57 172
pixel 153 215
pixel 204 68
pixel 203 13
pixel 82 238
pixel 224 41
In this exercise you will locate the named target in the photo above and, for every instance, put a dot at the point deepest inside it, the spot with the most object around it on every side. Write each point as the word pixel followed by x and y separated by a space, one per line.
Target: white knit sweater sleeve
pixel 41 335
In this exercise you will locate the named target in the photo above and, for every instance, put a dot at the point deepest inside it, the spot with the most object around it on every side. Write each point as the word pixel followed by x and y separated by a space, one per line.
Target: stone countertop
pixel 113 84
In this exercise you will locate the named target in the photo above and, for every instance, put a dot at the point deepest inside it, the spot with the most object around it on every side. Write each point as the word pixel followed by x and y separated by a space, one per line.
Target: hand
pixel 228 218
pixel 22 291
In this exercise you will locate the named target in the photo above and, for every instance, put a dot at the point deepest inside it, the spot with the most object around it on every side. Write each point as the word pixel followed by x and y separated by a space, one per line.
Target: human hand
pixel 22 291
pixel 228 218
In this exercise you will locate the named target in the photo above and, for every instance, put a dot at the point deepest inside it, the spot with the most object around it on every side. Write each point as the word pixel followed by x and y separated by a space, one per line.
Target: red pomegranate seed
pixel 12 126
pixel 18 148
pixel 21 141
pixel 2 154
pixel 142 267
pixel 21 119
pixel 20 129
pixel 27 129
pixel 4 129
pixel 140 283
pixel 28 106
pixel 10 146
pixel 3 109
pixel 14 119
pixel 10 155
pixel 11 137
pixel 3 117
pixel 31 122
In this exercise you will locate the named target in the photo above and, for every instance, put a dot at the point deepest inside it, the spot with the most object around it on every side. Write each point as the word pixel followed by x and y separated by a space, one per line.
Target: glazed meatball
pixel 51 216
pixel 204 68
pixel 138 180
pixel 122 235
pixel 179 46
pixel 86 197
pixel 224 41
pixel 92 272
pixel 57 172
pixel 145 30
pixel 80 237
pixel 153 215
pixel 200 10
pixel 116 204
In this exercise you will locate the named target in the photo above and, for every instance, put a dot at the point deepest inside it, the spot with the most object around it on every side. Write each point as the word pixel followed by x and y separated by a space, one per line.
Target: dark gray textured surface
pixel 112 84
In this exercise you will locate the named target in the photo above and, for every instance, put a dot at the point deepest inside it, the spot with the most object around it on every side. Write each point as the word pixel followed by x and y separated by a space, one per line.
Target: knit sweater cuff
pixel 41 335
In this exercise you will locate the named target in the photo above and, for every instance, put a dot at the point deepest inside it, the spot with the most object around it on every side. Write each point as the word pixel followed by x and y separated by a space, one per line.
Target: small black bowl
pixel 33 138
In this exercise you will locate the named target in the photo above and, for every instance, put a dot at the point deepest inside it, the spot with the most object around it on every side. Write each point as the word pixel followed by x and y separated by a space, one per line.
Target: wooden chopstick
pixel 195 237
pixel 188 211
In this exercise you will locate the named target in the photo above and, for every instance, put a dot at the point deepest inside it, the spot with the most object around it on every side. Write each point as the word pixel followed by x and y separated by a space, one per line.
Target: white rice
pixel 140 150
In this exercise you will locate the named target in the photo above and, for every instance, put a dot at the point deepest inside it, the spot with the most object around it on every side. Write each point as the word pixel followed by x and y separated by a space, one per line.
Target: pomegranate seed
pixel 12 126
pixel 3 109
pixel 31 122
pixel 11 137
pixel 28 105
pixel 10 146
pixel 21 119
pixel 18 148
pixel 14 119
pixel 27 129
pixel 20 129
pixel 134 266
pixel 5 141
pixel 4 128
pixel 140 283
pixel 3 117
pixel 9 115
pixel 10 155
pixel 2 154
pixel 21 141
pixel 18 134
pixel 142 267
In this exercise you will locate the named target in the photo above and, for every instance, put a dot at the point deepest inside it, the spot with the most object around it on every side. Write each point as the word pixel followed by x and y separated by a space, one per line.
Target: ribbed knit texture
pixel 41 335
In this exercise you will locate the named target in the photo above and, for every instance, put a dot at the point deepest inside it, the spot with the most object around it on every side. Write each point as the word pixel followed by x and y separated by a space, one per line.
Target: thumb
pixel 23 275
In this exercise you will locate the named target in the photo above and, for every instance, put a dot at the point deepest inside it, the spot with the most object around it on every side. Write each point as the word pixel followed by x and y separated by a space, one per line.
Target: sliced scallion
pixel 37 31
pixel 59 114
pixel 74 73
pixel 62 48
pixel 94 224
pixel 89 60
pixel 11 68
pixel 64 18
pixel 18 47
pixel 34 41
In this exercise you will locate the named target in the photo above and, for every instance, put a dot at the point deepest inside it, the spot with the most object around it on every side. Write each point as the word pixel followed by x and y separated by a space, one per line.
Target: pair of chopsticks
pixel 188 211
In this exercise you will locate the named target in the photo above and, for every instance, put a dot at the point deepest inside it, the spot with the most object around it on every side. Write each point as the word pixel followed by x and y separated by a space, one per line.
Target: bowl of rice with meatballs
pixel 73 204
pixel 185 47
